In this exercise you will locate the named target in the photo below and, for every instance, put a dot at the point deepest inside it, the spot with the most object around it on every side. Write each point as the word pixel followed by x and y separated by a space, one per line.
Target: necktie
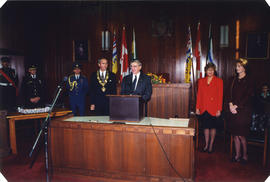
pixel 134 83
pixel 102 77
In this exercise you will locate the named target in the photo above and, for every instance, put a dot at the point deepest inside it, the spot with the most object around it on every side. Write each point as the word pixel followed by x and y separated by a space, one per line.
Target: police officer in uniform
pixel 102 83
pixel 8 86
pixel 33 89
pixel 78 88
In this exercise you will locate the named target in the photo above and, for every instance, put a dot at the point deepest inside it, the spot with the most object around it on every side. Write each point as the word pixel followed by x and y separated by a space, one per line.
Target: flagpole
pixel 198 57
pixel 193 81
pixel 189 63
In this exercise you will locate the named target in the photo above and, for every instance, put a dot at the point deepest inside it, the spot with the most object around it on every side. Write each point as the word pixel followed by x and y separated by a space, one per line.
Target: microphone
pixel 62 83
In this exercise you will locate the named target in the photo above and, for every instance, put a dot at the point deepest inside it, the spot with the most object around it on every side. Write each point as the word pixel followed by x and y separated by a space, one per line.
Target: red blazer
pixel 210 97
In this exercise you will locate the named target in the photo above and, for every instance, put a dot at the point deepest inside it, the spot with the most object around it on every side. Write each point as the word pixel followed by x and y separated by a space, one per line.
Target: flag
pixel 124 56
pixel 189 58
pixel 198 53
pixel 114 55
pixel 134 56
pixel 209 57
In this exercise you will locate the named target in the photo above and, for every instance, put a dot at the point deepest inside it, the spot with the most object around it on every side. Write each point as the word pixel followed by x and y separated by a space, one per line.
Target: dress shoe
pixel 243 161
pixel 236 159
pixel 210 151
pixel 205 149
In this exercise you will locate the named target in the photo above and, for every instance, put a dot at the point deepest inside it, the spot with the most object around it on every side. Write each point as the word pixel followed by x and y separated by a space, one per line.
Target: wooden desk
pixel 94 146
pixel 19 116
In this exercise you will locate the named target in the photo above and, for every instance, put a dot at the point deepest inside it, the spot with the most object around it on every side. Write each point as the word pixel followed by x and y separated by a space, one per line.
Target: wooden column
pixel 4 144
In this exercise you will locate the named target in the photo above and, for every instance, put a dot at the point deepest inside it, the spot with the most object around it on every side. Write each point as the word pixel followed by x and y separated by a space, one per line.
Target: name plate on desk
pixel 126 108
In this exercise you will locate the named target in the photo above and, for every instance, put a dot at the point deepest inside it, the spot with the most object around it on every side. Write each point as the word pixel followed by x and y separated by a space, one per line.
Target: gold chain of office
pixel 72 84
pixel 103 89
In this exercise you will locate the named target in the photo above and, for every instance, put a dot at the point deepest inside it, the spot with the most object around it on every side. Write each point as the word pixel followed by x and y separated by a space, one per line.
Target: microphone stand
pixel 44 128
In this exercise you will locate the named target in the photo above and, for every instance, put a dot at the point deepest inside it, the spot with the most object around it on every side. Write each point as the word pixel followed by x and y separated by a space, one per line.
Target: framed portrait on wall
pixel 81 50
pixel 257 46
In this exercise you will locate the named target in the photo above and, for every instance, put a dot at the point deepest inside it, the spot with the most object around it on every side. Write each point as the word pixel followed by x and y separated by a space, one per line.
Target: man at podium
pixel 137 83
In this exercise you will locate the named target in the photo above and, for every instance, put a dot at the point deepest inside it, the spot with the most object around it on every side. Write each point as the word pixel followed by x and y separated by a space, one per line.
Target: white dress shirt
pixel 77 76
pixel 133 77
pixel 102 74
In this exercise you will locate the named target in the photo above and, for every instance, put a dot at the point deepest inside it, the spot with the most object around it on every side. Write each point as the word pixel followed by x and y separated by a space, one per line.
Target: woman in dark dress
pixel 240 109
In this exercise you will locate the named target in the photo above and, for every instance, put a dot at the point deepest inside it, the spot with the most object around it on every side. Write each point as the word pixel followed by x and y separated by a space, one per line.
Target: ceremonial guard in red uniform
pixel 8 86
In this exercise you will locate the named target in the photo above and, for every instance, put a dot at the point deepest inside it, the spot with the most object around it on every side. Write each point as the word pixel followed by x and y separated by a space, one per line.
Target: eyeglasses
pixel 134 66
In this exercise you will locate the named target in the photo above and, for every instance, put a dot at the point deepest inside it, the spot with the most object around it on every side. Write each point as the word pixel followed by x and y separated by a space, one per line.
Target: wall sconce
pixel 105 40
pixel 224 36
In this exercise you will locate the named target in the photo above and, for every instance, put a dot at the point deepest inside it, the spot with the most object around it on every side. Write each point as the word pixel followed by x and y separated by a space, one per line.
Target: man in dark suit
pixel 78 88
pixel 33 89
pixel 102 83
pixel 8 86
pixel 137 83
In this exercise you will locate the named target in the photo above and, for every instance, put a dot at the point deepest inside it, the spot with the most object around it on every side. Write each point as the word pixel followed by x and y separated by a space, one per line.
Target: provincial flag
pixel 124 56
pixel 209 57
pixel 189 58
pixel 133 51
pixel 198 53
pixel 114 55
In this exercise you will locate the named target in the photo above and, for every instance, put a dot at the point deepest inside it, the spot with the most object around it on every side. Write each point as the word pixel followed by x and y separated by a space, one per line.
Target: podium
pixel 126 108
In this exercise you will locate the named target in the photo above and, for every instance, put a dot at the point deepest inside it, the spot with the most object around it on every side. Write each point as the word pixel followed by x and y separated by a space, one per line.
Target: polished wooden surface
pixel 19 116
pixel 169 100
pixel 122 150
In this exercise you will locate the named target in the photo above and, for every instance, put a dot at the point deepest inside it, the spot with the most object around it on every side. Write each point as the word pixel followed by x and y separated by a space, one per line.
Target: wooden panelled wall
pixel 44 32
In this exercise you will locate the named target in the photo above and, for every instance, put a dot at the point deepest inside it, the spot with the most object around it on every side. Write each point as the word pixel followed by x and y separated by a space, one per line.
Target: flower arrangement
pixel 155 79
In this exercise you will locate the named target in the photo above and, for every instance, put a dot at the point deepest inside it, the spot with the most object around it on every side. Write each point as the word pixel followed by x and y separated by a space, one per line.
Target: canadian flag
pixel 124 56
pixel 198 53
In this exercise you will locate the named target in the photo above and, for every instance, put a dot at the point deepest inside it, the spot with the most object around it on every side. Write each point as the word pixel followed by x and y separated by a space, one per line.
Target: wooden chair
pixel 256 141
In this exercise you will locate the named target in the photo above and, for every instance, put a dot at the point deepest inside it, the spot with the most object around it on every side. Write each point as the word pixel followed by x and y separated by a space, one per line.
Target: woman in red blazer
pixel 209 104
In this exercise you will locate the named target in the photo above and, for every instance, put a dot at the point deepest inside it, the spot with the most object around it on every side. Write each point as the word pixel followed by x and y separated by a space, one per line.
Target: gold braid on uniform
pixel 72 84
pixel 103 89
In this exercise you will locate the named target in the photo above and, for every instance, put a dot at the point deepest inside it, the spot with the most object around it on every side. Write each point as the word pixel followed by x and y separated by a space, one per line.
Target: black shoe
pixel 243 161
pixel 236 159
pixel 210 151
pixel 205 149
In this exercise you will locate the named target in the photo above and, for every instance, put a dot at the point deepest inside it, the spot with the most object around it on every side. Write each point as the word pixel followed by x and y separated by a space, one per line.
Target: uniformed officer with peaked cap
pixel 77 86
pixel 33 88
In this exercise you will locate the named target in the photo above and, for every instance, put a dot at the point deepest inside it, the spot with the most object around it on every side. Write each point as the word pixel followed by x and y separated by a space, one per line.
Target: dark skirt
pixel 208 121
pixel 239 124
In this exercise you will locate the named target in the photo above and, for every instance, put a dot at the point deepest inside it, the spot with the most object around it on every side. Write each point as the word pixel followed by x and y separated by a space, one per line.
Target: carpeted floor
pixel 215 167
